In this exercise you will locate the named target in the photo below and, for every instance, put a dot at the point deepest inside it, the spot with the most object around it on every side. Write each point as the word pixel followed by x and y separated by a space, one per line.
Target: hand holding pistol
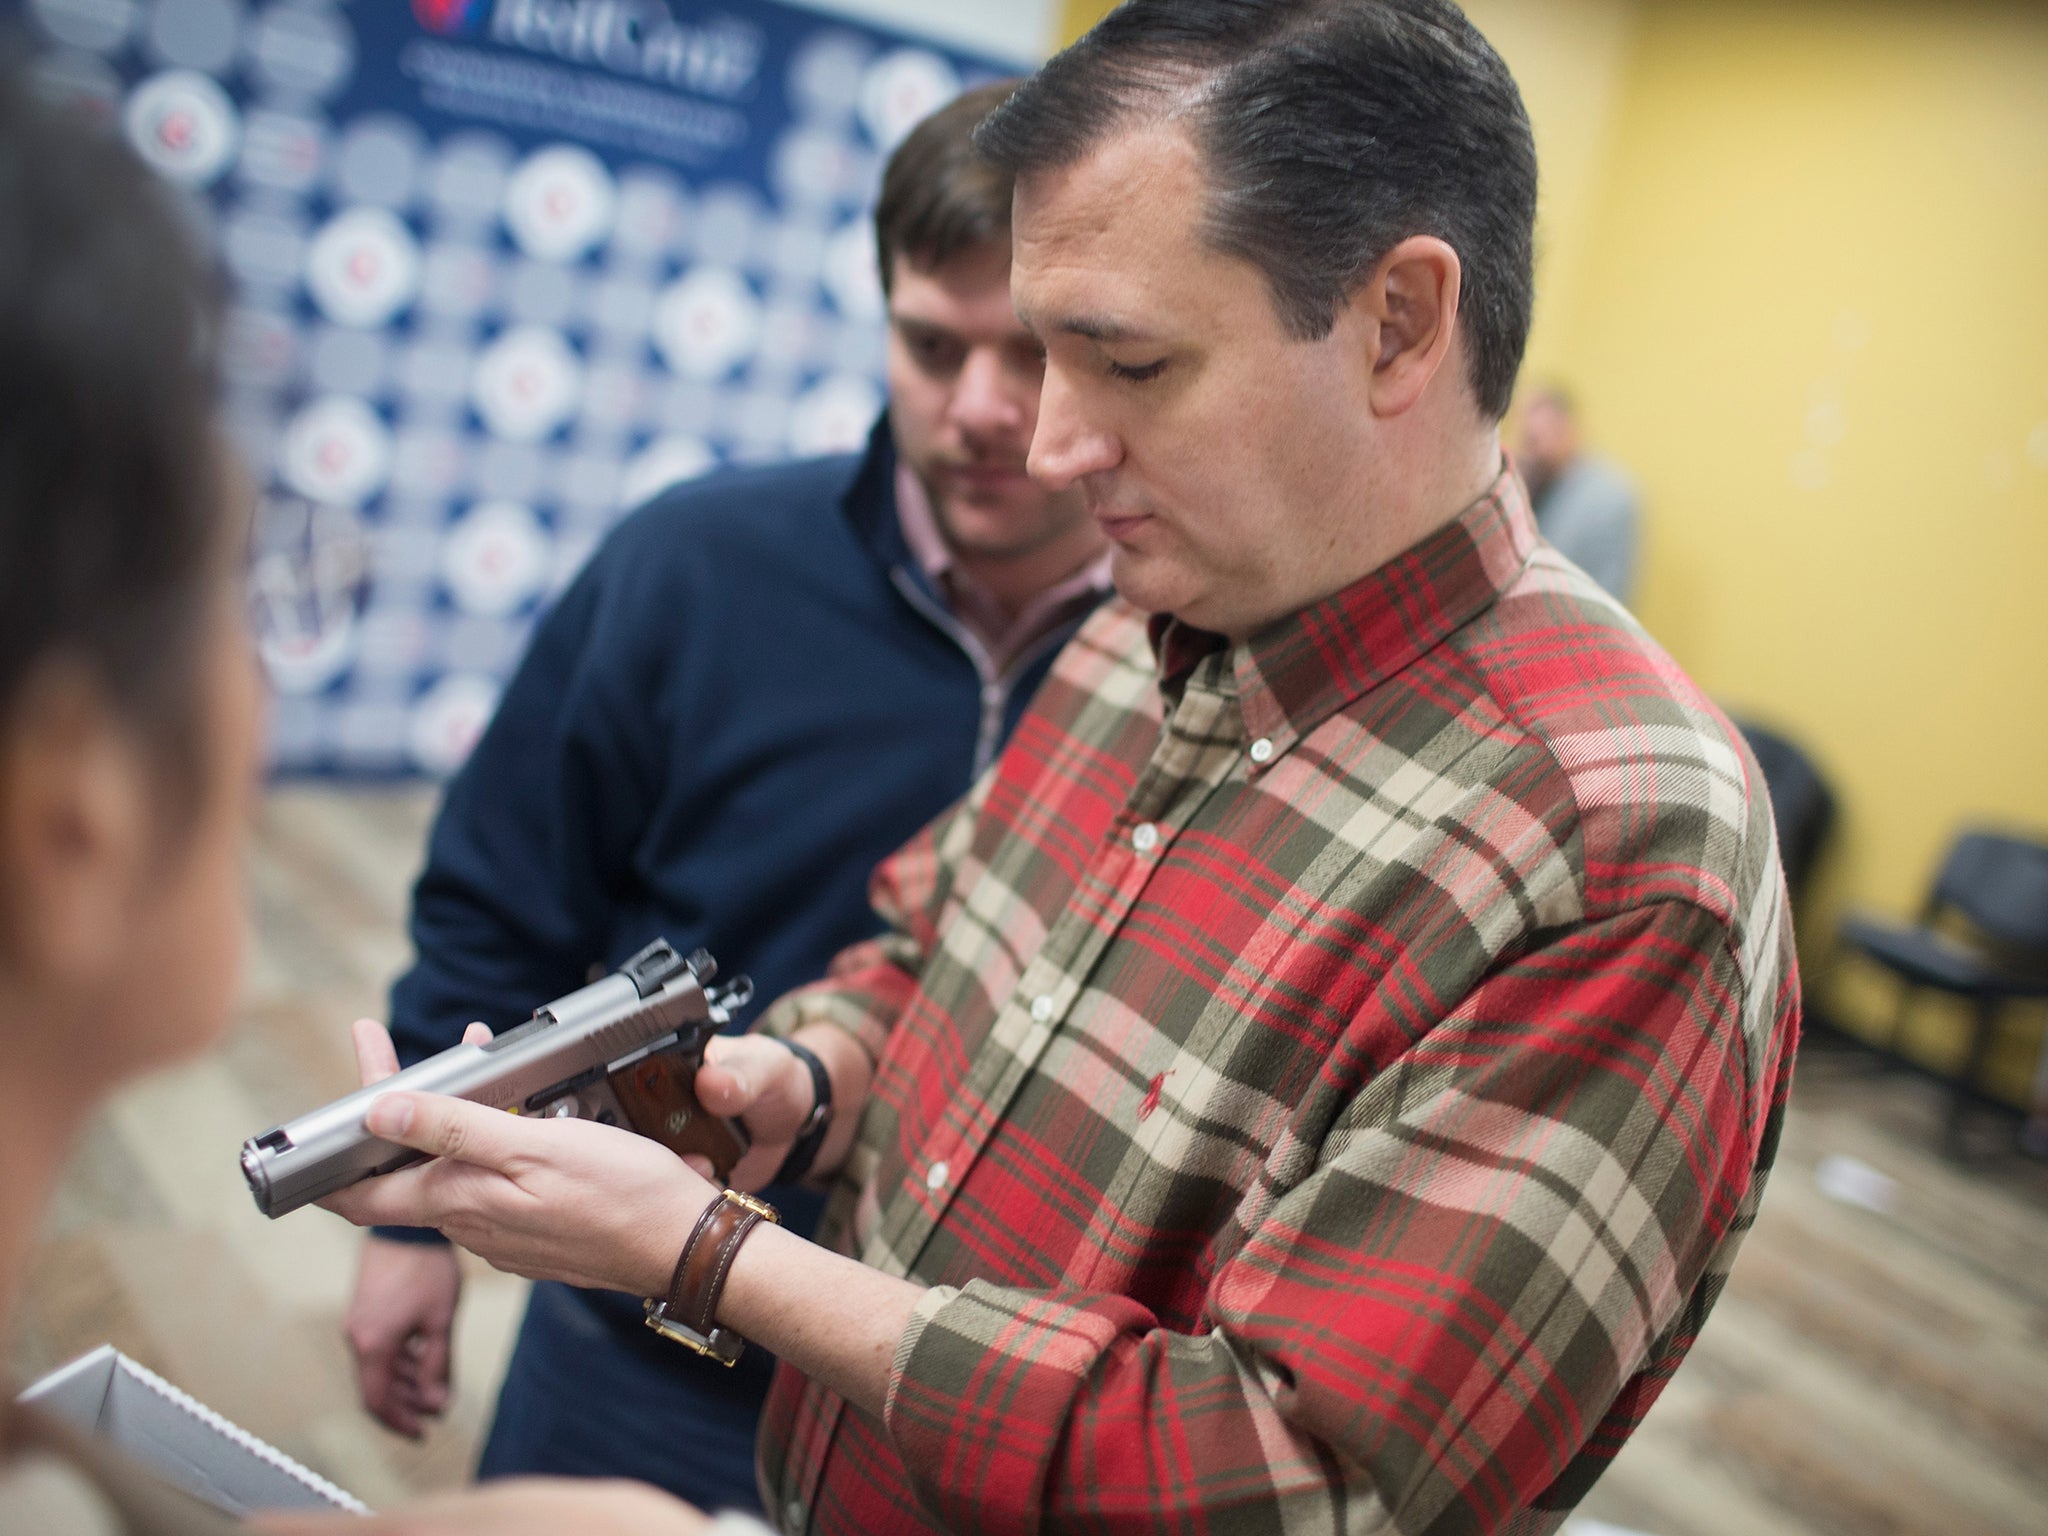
pixel 622 1051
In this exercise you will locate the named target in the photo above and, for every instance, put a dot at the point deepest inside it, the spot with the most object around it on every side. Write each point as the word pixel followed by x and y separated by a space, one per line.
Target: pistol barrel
pixel 654 996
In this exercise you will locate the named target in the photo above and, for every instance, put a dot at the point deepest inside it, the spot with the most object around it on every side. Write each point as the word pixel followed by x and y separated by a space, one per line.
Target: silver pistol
pixel 621 1051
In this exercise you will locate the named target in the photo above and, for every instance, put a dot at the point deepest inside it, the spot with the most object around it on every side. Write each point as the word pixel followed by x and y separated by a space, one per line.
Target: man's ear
pixel 1409 311
pixel 75 828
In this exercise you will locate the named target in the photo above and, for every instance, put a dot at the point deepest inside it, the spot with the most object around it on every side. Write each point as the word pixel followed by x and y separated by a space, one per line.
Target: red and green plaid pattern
pixel 1324 1080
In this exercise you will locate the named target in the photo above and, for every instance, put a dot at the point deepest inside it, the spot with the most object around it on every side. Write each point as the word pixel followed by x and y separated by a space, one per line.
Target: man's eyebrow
pixel 1099 328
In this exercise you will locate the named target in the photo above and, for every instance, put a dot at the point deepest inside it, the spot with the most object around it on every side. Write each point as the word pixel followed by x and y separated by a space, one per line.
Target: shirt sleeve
pixel 1426 1329
pixel 868 984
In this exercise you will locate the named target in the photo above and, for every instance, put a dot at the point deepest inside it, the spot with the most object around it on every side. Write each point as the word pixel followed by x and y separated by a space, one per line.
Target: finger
pixel 390 1403
pixel 376 1058
pixel 398 1199
pixel 374 1380
pixel 450 1128
pixel 432 1369
pixel 477 1034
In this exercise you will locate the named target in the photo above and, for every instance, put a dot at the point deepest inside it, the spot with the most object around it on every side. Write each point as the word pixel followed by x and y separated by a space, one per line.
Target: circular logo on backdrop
pixel 378 161
pixel 448 718
pixel 364 267
pixel 302 48
pixel 834 416
pixel 901 90
pixel 662 463
pixel 852 274
pixel 99 25
pixel 650 213
pixel 81 81
pixel 706 324
pixel 306 584
pixel 196 34
pixel 816 166
pixel 337 451
pixel 282 150
pixel 495 559
pixel 825 76
pixel 527 384
pixel 183 126
pixel 559 203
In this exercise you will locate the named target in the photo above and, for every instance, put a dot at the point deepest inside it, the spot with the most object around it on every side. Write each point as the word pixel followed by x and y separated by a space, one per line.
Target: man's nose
pixel 1067 446
pixel 986 398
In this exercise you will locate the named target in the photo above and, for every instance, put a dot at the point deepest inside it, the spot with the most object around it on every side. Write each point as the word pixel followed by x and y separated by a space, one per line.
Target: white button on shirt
pixel 936 1179
pixel 1041 1008
pixel 1262 750
pixel 1145 838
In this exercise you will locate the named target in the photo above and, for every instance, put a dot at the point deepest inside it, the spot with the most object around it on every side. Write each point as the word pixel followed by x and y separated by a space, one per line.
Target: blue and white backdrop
pixel 502 270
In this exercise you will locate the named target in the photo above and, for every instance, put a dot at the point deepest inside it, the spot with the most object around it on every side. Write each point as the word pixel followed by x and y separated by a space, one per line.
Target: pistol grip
pixel 659 1096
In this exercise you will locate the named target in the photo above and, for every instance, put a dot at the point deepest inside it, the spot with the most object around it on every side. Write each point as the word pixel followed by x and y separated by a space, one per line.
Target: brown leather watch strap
pixel 689 1313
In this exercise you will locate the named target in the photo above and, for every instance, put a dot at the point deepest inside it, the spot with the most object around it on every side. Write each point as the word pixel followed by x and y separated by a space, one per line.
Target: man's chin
pixel 996 528
pixel 1146 581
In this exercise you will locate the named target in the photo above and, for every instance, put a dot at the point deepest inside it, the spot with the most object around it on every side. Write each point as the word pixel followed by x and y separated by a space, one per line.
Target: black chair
pixel 1982 936
pixel 1801 802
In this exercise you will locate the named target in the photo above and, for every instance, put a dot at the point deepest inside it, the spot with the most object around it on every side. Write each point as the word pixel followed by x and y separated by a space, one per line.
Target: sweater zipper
pixel 995 691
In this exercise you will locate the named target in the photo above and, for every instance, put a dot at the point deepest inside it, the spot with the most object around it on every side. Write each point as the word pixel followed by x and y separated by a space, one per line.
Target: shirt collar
pixel 1299 670
pixel 1003 638
pixel 921 527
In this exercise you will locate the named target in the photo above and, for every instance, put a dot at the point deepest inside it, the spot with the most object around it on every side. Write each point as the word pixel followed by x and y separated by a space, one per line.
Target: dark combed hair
pixel 111 521
pixel 1330 130
pixel 939 197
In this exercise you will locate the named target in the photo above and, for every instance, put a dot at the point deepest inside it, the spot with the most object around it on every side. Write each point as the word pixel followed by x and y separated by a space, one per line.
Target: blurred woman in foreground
pixel 128 740
pixel 128 700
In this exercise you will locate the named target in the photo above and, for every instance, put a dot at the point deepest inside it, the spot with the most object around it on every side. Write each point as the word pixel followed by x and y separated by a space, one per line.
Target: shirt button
pixel 1262 750
pixel 1041 1009
pixel 936 1179
pixel 1145 838
pixel 793 1516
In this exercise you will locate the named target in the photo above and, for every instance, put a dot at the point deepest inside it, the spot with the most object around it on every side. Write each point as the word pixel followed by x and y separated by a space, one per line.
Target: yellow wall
pixel 1813 318
pixel 1795 265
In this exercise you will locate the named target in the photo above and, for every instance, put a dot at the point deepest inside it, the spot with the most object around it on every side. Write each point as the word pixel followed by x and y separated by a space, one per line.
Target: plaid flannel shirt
pixel 1323 1080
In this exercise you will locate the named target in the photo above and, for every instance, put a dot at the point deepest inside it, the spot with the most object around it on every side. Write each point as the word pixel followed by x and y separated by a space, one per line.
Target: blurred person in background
pixel 763 683
pixel 129 706
pixel 1584 504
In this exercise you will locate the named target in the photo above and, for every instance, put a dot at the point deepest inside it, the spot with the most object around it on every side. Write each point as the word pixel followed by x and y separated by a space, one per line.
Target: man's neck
pixel 1399 511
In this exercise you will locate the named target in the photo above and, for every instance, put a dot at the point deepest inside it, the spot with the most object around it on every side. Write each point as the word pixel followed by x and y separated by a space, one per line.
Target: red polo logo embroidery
pixel 1151 1101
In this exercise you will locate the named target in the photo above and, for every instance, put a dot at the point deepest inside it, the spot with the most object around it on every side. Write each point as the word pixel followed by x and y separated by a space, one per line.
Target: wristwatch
pixel 688 1314
pixel 811 1134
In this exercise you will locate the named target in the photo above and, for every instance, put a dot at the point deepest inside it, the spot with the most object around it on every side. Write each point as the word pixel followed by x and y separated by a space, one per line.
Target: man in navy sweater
pixel 760 685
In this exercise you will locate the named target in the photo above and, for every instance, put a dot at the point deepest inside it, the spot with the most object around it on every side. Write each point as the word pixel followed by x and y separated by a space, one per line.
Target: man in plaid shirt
pixel 1320 1077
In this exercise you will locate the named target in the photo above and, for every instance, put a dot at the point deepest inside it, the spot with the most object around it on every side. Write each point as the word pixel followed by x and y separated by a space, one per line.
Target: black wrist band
pixel 804 1150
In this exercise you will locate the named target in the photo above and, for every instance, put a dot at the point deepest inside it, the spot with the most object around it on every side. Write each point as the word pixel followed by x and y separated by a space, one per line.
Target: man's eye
pixel 937 354
pixel 1137 373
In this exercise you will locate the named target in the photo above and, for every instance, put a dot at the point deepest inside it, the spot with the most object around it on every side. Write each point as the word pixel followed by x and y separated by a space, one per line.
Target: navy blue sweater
pixel 747 699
